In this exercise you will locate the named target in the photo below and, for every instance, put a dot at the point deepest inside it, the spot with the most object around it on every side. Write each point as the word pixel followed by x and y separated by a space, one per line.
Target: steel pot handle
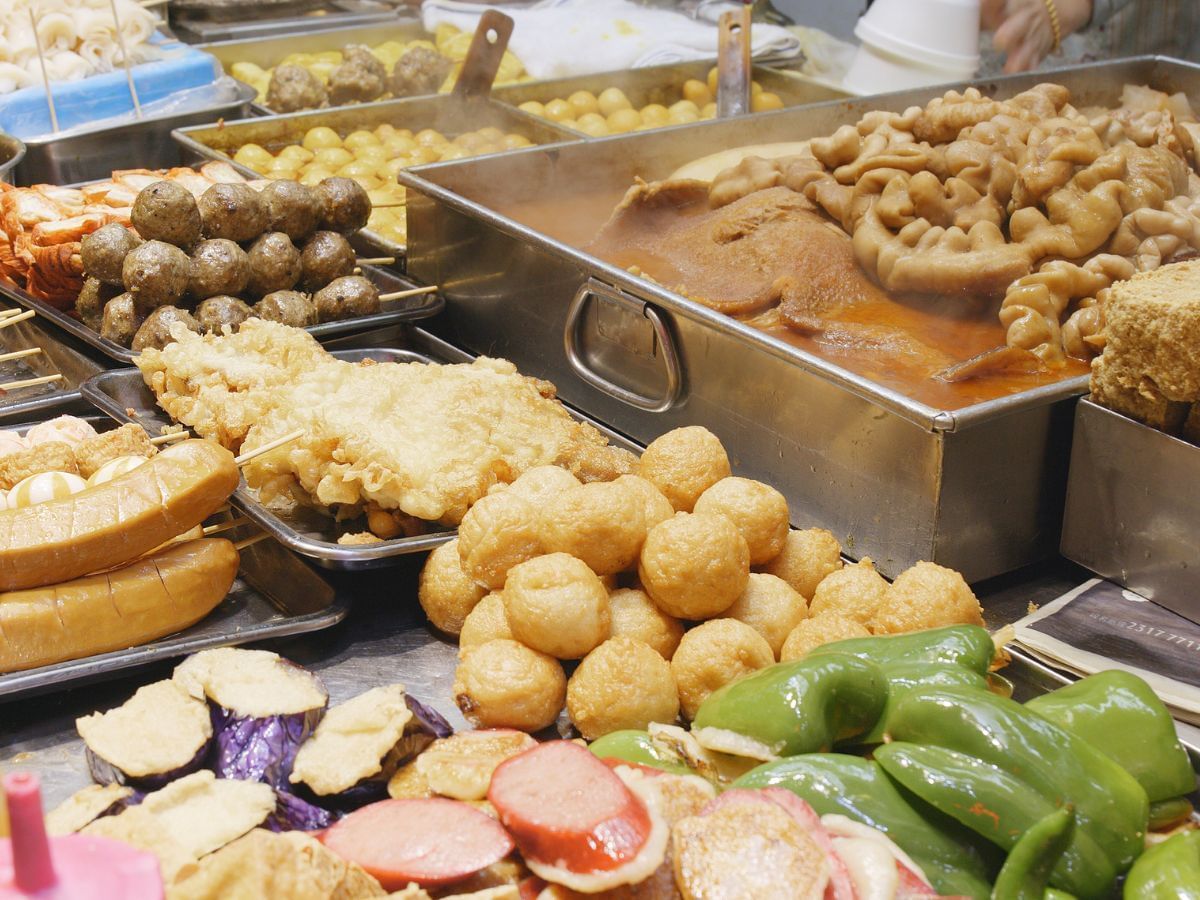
pixel 666 341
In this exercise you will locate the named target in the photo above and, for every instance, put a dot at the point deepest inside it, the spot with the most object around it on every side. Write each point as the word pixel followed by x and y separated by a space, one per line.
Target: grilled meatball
pixel 419 71
pixel 218 311
pixel 120 321
pixel 155 274
pixel 89 305
pixel 326 256
pixel 293 88
pixel 289 307
pixel 156 330
pixel 360 78
pixel 166 211
pixel 345 206
pixel 103 252
pixel 233 211
pixel 274 264
pixel 219 266
pixel 344 298
pixel 292 208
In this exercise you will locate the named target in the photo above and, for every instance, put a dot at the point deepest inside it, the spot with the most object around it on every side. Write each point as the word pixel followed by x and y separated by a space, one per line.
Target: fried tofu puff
pixel 656 507
pixel 823 629
pixel 808 555
pixel 556 605
pixel 445 591
pixel 601 523
pixel 855 592
pixel 541 483
pixel 504 684
pixel 486 622
pixel 623 683
pixel 770 607
pixel 497 533
pixel 712 655
pixel 694 566
pixel 634 615
pixel 683 464
pixel 128 440
pixel 758 510
pixel 926 596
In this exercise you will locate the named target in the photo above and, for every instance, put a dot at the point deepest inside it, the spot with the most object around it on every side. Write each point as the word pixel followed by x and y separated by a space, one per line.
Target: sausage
pixel 118 521
pixel 232 211
pixel 147 599
pixel 104 250
pixel 274 264
pixel 166 211
pixel 432 841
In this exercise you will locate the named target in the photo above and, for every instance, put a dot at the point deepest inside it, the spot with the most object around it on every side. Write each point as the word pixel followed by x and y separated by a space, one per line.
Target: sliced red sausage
pixel 431 841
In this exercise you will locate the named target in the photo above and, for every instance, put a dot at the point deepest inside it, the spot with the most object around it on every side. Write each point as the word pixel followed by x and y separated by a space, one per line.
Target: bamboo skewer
pixel 19 354
pixel 15 311
pixel 19 317
pixel 376 261
pixel 210 530
pixel 137 104
pixel 268 447
pixel 169 438
pixel 30 382
pixel 250 542
pixel 411 292
pixel 37 42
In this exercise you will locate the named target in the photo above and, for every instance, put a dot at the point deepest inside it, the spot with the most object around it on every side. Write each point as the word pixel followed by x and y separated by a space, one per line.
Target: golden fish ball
pixel 428 137
pixel 655 507
pixel 297 153
pixel 399 144
pixel 755 88
pixel 708 111
pixel 697 91
pixel 445 591
pixel 557 110
pixel 470 140
pixel 808 555
pixel 593 128
pixel 491 133
pixel 765 101
pixel 320 137
pixel 384 131
pixel 504 684
pixel 557 605
pixel 486 622
pixel 516 141
pixel 771 607
pixel 682 117
pixel 314 175
pixel 253 155
pixel 43 486
pixel 427 153
pixel 373 153
pixel 817 631
pixel 356 139
pixel 333 157
pixel 356 169
pixel 533 108
pixel 542 483
pixel 711 81
pixel 622 684
pixel 926 596
pixel 684 106
pixel 601 523
pixel 714 654
pixel 758 510
pixel 854 592
pixel 450 152
pixel 583 103
pixel 497 533
pixel 115 467
pixel 655 114
pixel 283 168
pixel 633 614
pixel 612 100
pixel 684 463
pixel 591 119
pixel 694 566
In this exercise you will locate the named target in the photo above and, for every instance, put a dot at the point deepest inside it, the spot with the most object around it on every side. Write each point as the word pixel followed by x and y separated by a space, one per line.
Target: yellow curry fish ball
pixel 253 155
pixel 697 91
pixel 491 133
pixel 602 524
pixel 683 464
pixel 319 137
pixel 591 119
pixel 497 533
pixel 708 111
pixel 541 484
pixel 855 592
pixel 516 141
pixel 770 607
pixel 374 153
pixel 655 114
pixel 445 591
pixel 486 622
pixel 711 81
pixel 623 120
pixel 808 555
pixel 694 566
pixel 684 106
pixel 297 153
pixel 427 137
pixel 655 507
pixel 594 128
pixel 557 605
pixel 611 100
pixel 333 157
pixel 926 596
pixel 533 108
pixel 712 655
pixel 621 684
pixel 765 101
pixel 504 684
pixel 583 102
pixel 559 110
pixel 758 510
pixel 823 629
pixel 357 139
pixel 450 151
pixel 634 615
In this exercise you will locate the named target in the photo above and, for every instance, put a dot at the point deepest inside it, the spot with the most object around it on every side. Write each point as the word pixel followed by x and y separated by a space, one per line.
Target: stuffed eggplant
pixel 86 806
pixel 263 707
pixel 159 734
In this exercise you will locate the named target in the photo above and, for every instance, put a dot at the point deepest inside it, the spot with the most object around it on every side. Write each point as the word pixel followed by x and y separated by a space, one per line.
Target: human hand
pixel 1023 30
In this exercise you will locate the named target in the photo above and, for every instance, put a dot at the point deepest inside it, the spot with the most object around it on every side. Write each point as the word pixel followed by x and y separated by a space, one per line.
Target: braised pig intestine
pixel 1028 198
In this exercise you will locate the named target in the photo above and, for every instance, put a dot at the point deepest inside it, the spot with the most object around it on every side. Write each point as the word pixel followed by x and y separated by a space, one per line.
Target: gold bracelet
pixel 1052 9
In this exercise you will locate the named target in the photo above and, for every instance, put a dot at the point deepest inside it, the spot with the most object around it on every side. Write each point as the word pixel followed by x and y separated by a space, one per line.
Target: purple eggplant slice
pixel 294 814
pixel 431 721
pixel 159 734
pixel 93 802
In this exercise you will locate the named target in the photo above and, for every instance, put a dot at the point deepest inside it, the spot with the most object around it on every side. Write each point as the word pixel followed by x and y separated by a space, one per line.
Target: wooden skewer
pixel 249 542
pixel 412 292
pixel 391 204
pixel 154 2
pixel 221 509
pixel 268 447
pixel 137 104
pixel 30 382
pixel 37 41
pixel 376 261
pixel 19 354
pixel 225 526
pixel 169 438
pixel 19 317
pixel 15 311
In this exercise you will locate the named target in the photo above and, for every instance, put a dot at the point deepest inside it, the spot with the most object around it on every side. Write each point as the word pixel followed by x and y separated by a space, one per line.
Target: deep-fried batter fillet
pixel 128 440
pixel 428 440
pixel 52 456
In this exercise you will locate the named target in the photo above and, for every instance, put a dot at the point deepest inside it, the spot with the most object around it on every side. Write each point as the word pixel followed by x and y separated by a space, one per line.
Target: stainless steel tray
pixel 979 489
pixel 407 309
pixel 12 151
pixel 196 28
pixel 446 113
pixel 93 155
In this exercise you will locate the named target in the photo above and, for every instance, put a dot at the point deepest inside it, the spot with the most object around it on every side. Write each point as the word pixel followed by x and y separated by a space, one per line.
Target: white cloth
pixel 561 38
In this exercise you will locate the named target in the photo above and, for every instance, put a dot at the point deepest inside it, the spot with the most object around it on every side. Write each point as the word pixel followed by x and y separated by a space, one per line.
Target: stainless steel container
pixel 980 488
pixel 236 20
pixel 1133 508
pixel 12 151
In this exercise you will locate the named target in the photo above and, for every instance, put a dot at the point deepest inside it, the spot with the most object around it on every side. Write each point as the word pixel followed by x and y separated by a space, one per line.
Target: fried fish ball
pixel 621 684
pixel 557 605
pixel 697 91
pixel 497 533
pixel 655 507
pixel 712 655
pixel 694 566
pixel 445 591
pixel 601 523
pixel 855 592
pixel 504 684
pixel 486 622
pixel 541 483
pixel 611 100
pixel 823 629
pixel 808 555
pixel 623 120
pixel 926 596
pixel 771 607
pixel 684 463
pixel 758 510
pixel 633 615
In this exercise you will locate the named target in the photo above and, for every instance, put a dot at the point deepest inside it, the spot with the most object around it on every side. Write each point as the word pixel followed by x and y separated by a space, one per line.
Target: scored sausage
pixel 118 521
pixel 147 599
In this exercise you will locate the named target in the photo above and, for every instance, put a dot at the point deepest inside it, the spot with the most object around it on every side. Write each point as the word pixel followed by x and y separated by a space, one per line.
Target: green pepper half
pixel 1167 871
pixel 638 747
pixel 969 646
